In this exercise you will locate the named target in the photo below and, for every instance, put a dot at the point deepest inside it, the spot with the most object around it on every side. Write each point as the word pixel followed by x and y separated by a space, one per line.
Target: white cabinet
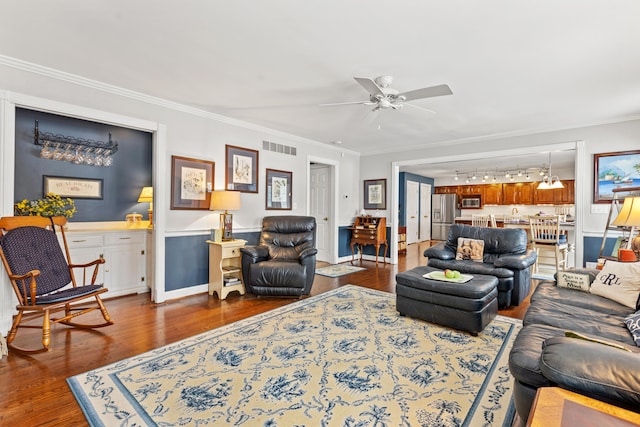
pixel 125 253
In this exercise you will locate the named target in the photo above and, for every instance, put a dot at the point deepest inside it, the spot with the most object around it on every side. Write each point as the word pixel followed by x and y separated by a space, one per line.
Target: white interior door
pixel 425 212
pixel 411 207
pixel 320 207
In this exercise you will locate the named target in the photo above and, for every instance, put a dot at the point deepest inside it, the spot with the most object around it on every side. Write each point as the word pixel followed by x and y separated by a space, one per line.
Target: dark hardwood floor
pixel 33 390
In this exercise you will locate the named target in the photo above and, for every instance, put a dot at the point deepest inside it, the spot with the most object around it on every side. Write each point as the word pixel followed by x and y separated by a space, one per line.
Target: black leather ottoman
pixel 467 306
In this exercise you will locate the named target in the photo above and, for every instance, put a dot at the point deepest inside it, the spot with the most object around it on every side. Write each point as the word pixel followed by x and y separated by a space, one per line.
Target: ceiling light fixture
pixel 550 181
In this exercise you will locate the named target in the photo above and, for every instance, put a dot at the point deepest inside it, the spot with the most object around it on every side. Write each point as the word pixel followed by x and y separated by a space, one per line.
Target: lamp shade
pixel 629 214
pixel 225 201
pixel 146 195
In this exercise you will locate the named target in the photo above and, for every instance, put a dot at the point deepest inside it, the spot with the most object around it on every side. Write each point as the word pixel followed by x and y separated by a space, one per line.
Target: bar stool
pixel 546 238
pixel 480 220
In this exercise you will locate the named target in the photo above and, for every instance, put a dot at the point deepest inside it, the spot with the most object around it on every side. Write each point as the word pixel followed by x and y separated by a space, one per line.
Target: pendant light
pixel 550 181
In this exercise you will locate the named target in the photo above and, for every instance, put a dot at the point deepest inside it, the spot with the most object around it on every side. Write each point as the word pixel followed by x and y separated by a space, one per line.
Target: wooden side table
pixel 225 267
pixel 557 407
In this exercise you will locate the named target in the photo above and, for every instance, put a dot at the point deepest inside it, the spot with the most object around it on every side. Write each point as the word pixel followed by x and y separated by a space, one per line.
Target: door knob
pixel 326 219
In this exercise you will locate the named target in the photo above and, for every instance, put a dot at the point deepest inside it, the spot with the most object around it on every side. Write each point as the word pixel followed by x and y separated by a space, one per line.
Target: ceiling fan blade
pixel 426 92
pixel 419 108
pixel 347 103
pixel 370 86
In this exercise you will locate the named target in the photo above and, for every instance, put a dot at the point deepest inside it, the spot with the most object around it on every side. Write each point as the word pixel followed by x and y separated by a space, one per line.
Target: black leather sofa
pixel 542 356
pixel 505 256
pixel 284 261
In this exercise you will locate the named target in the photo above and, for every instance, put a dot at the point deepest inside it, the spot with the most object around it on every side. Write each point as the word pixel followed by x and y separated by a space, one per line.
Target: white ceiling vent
pixel 279 148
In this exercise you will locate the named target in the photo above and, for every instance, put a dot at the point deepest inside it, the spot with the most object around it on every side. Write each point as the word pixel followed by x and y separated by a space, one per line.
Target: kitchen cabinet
pixel 514 193
pixel 449 189
pixel 492 194
pixel 470 190
pixel 124 252
pixel 557 196
pixel 518 193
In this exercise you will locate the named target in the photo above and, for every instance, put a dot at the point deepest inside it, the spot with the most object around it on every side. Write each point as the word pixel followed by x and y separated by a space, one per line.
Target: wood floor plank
pixel 34 391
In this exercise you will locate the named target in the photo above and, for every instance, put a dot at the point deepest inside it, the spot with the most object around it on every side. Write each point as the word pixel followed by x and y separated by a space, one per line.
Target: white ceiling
pixel 515 67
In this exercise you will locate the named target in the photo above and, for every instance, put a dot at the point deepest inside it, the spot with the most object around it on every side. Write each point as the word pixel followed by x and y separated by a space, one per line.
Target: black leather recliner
pixel 505 256
pixel 284 262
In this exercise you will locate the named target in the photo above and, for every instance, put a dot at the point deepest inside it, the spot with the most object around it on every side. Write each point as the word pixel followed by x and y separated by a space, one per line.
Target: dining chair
pixel 548 241
pixel 480 220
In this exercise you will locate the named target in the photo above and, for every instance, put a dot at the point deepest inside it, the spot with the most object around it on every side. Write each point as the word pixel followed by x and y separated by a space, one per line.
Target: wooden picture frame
pixel 614 170
pixel 74 188
pixel 191 183
pixel 278 190
pixel 375 194
pixel 241 169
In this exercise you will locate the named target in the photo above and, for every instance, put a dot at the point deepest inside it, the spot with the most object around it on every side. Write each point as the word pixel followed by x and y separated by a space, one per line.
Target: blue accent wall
pixel 187 259
pixel 344 244
pixel 402 192
pixel 591 248
pixel 122 182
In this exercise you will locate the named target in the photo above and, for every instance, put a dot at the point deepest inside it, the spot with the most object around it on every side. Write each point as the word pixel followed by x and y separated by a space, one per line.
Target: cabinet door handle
pixel 125 238
pixel 79 241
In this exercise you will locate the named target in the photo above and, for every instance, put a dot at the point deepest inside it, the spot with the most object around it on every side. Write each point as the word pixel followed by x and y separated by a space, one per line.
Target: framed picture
pixel 191 183
pixel 614 170
pixel 242 169
pixel 75 188
pixel 375 194
pixel 278 190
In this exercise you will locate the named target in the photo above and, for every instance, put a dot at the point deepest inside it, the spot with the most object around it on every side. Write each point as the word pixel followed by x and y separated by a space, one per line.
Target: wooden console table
pixel 557 407
pixel 368 230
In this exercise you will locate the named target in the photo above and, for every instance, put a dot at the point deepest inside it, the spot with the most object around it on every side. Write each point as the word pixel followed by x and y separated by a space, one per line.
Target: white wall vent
pixel 279 148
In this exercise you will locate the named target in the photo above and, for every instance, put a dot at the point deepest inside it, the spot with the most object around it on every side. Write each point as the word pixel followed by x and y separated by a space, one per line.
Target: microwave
pixel 471 202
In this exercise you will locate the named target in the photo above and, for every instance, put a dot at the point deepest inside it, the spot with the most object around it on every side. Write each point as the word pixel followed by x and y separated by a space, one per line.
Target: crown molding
pixel 149 99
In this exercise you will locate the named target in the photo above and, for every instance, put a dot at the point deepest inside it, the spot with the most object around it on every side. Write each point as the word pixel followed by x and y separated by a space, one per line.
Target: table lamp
pixel 629 216
pixel 146 196
pixel 226 201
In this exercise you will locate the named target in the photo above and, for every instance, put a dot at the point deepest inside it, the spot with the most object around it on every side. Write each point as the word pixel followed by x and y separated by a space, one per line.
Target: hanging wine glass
pixel 99 157
pixel 58 152
pixel 79 156
pixel 69 153
pixel 46 152
pixel 108 160
pixel 89 158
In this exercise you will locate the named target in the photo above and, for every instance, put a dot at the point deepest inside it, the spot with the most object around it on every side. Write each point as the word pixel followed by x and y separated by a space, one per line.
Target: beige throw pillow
pixel 571 280
pixel 470 249
pixel 620 282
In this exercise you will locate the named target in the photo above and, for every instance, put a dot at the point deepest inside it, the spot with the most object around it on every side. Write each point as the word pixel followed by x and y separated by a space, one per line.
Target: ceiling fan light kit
pixel 384 97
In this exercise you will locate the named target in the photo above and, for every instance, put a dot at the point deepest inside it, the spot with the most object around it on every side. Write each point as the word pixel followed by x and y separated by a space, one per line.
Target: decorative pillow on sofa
pixel 620 282
pixel 572 280
pixel 633 325
pixel 470 249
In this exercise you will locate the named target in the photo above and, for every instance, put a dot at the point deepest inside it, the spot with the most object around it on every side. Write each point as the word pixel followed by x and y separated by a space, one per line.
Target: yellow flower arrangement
pixel 50 205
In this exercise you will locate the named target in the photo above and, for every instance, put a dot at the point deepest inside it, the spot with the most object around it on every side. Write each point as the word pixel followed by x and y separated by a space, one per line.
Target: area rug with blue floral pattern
pixel 341 358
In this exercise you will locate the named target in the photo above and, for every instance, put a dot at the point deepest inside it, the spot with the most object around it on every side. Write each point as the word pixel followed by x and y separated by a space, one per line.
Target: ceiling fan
pixel 384 97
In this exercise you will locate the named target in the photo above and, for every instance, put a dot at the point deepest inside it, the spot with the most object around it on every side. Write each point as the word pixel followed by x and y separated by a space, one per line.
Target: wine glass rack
pixel 73 149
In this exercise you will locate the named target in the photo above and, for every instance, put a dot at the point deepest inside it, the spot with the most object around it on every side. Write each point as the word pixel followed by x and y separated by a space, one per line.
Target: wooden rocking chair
pixel 43 278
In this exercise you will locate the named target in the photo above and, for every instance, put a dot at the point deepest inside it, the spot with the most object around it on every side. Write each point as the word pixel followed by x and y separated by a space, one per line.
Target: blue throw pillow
pixel 633 325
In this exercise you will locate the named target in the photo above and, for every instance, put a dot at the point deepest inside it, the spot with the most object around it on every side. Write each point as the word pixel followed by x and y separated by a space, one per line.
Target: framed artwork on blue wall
pixel 74 188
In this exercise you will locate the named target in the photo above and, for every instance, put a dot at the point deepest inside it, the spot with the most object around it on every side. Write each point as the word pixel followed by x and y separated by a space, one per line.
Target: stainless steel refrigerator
pixel 444 210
